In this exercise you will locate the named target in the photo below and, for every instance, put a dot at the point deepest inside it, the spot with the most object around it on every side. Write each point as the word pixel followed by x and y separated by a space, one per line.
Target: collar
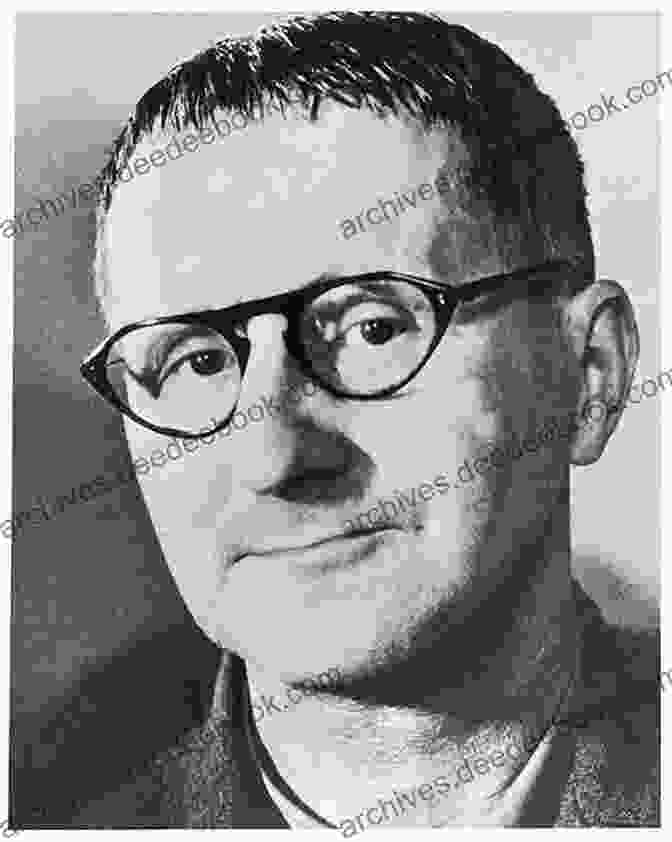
pixel 607 784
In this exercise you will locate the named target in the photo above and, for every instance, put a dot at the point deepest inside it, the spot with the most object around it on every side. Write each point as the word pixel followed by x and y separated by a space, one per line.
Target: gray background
pixel 102 642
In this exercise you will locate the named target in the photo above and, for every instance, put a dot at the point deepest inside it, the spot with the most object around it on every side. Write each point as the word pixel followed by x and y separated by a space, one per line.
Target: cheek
pixel 185 490
pixel 511 507
pixel 429 429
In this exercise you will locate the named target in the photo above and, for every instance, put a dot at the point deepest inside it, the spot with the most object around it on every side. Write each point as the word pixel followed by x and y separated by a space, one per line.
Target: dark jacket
pixel 209 781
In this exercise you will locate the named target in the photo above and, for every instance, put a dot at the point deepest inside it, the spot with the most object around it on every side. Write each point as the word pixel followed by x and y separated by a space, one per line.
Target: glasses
pixel 361 337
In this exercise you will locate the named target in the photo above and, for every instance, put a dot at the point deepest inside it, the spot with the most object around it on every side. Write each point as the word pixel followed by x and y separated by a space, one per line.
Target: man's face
pixel 257 214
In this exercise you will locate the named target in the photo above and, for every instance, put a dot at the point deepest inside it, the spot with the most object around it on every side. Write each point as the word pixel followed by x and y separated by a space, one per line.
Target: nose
pixel 268 364
pixel 296 451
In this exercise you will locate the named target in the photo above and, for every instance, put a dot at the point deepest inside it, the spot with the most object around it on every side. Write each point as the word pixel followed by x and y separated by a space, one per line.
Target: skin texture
pixel 458 619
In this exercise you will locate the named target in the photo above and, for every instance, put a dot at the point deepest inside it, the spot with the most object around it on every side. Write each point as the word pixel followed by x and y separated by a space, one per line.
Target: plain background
pixel 102 643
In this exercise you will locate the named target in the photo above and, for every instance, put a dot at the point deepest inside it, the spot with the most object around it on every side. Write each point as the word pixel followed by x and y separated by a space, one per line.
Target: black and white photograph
pixel 337 378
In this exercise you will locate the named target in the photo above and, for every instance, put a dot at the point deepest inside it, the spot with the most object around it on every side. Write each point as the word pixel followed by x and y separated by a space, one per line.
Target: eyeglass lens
pixel 360 339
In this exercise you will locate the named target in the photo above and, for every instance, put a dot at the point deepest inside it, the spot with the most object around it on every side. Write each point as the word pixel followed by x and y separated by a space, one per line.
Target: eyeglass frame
pixel 292 305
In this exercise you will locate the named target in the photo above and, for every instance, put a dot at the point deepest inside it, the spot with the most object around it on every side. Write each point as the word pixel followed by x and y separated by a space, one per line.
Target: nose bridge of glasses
pixel 269 358
pixel 264 329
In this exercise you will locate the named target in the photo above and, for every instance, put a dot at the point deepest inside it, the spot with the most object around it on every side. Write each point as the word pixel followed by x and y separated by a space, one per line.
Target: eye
pixel 374 324
pixel 375 331
pixel 205 362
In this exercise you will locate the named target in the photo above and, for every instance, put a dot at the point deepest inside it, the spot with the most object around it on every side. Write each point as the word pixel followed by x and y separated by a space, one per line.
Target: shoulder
pixel 615 779
pixel 186 786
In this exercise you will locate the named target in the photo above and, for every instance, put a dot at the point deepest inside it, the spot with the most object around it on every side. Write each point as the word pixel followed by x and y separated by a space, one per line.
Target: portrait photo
pixel 337 386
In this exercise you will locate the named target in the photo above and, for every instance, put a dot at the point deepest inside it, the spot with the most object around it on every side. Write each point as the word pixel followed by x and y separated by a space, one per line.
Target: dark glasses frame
pixel 231 323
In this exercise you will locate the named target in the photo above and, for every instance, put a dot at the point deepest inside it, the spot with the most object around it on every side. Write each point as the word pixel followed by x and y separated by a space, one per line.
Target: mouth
pixel 352 538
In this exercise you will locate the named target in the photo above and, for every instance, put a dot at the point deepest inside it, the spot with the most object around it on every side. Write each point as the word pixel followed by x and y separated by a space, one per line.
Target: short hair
pixel 523 166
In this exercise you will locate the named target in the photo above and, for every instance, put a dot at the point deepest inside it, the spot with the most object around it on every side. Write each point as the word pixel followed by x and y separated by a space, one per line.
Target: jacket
pixel 208 780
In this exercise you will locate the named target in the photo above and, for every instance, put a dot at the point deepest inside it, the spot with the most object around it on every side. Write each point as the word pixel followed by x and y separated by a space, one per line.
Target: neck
pixel 369 753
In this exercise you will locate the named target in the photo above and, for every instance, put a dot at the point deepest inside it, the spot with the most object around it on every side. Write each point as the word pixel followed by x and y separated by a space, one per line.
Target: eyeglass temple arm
pixel 492 283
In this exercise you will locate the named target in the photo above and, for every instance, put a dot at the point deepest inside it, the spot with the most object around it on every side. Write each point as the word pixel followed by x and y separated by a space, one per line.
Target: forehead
pixel 263 210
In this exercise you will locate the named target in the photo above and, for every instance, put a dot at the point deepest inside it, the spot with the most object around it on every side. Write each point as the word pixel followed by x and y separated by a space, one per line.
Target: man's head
pixel 371 105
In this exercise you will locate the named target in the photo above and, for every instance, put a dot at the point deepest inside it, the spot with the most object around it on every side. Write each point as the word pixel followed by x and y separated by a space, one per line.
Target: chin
pixel 286 650
pixel 356 636
pixel 297 616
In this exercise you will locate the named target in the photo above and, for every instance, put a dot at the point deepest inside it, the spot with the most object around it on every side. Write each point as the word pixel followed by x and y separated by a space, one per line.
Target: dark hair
pixel 524 167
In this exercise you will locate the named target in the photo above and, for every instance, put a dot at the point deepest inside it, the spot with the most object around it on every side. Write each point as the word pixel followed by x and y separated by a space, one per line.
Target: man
pixel 446 330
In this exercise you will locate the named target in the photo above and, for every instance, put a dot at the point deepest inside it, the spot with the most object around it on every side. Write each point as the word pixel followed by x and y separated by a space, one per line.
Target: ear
pixel 604 336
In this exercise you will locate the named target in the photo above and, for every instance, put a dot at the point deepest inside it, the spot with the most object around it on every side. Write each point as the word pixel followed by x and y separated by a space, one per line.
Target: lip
pixel 339 537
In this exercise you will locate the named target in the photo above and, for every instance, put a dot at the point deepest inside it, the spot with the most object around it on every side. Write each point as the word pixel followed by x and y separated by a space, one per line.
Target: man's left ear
pixel 604 336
